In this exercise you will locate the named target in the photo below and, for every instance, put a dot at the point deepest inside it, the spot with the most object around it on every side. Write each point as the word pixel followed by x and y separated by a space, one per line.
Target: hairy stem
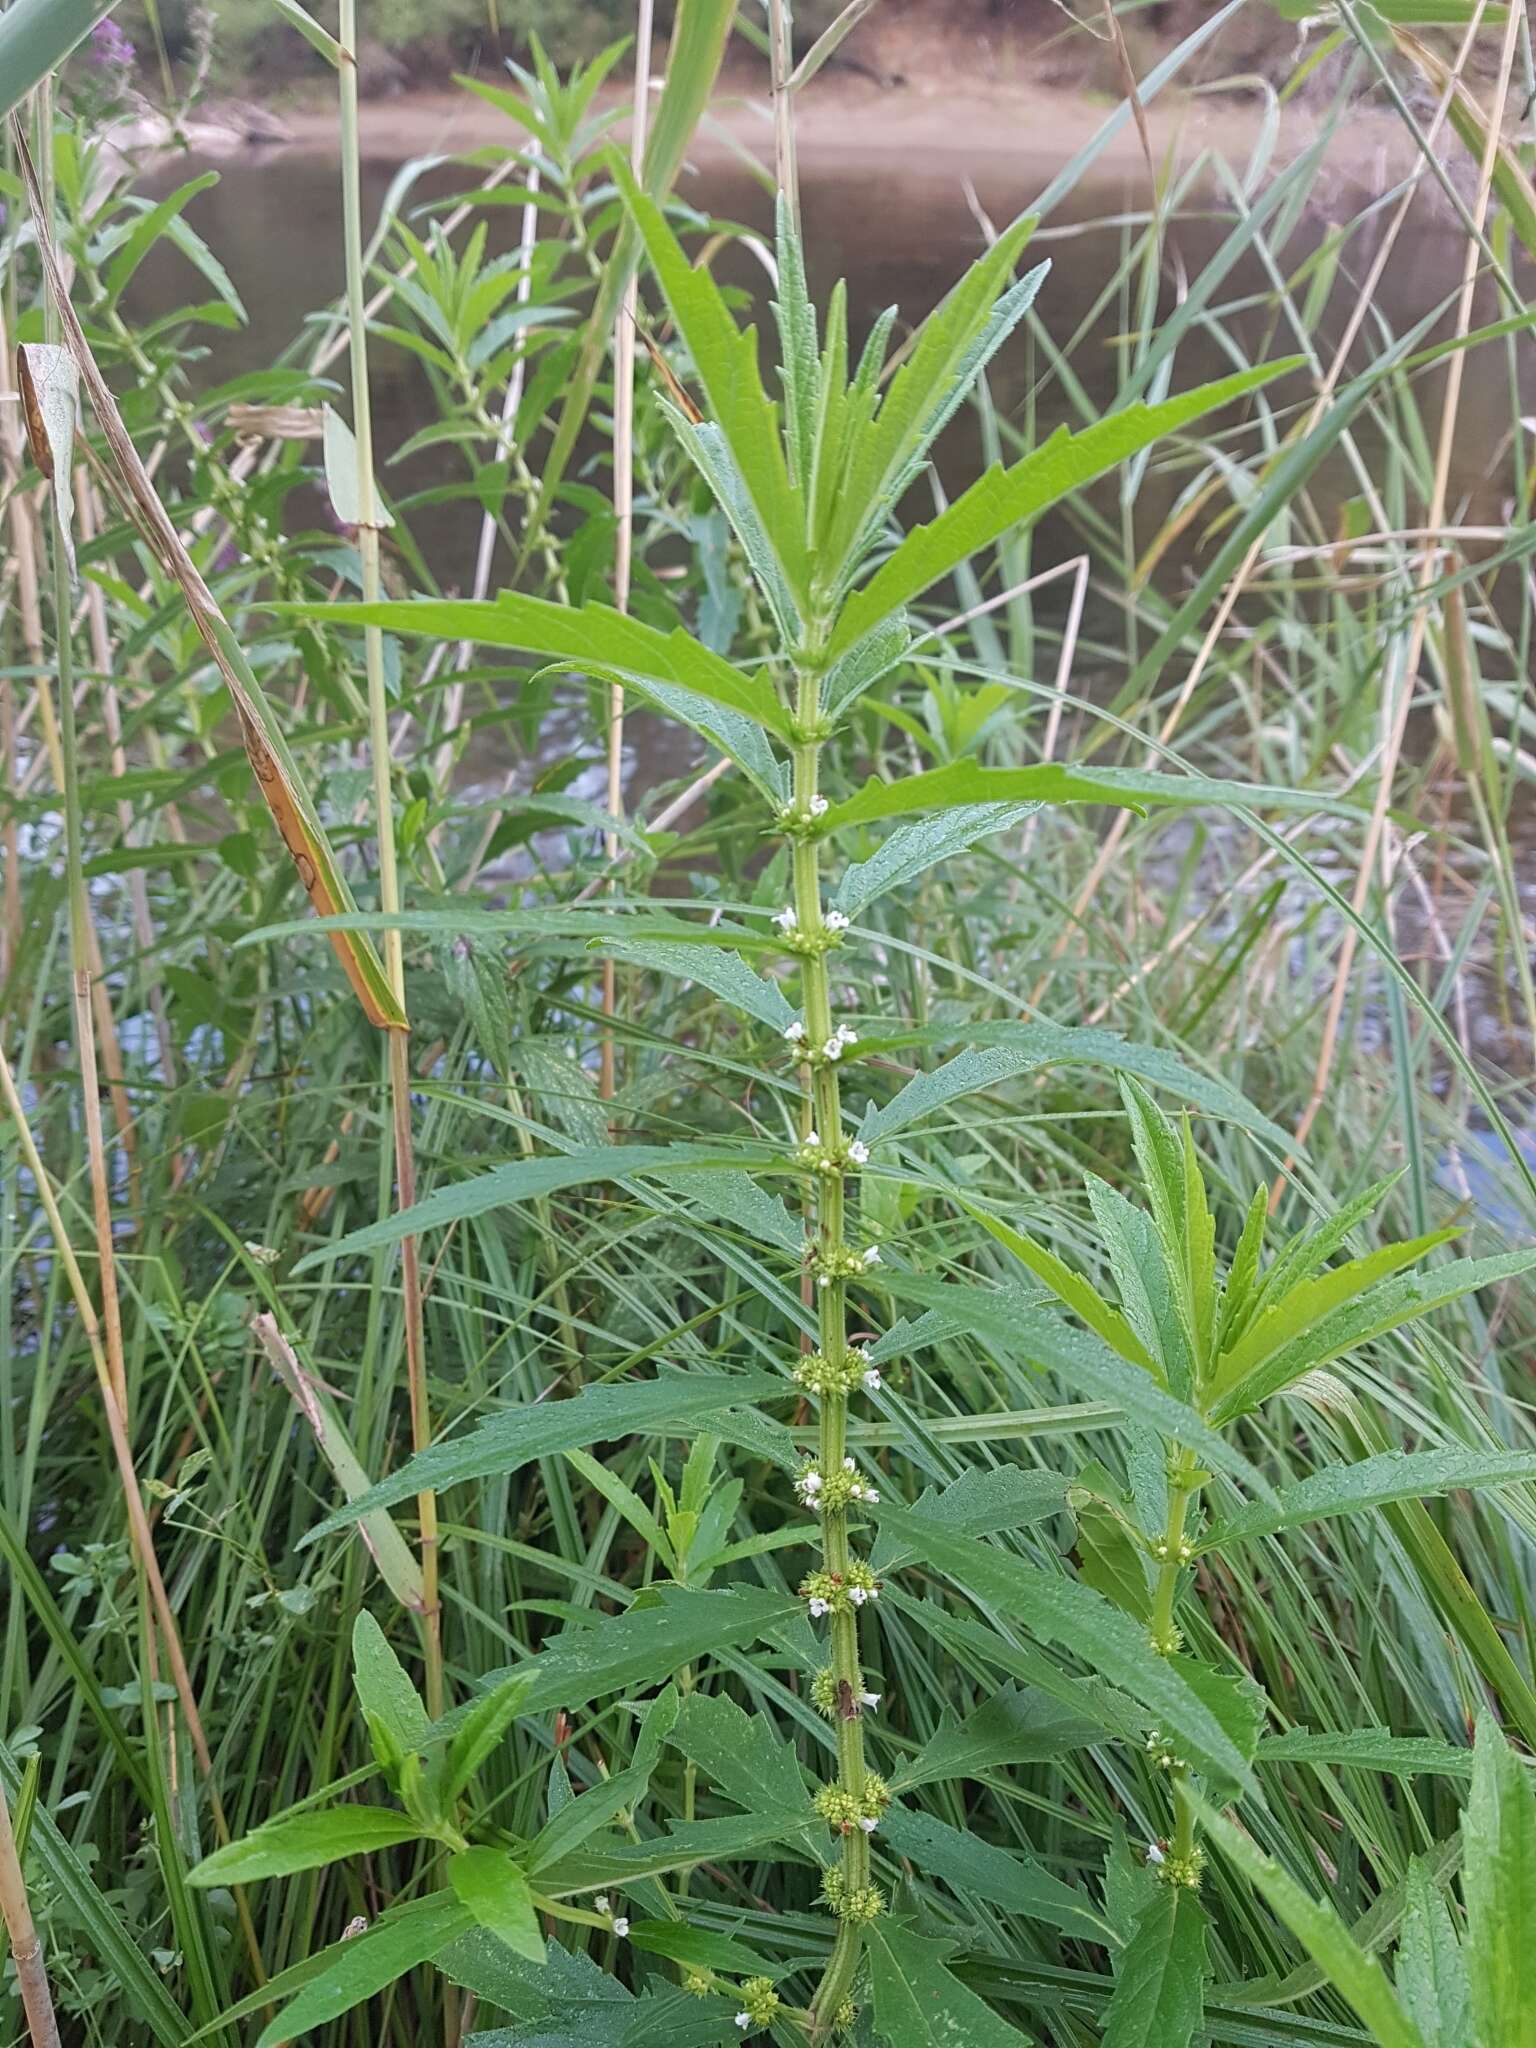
pixel 831 1253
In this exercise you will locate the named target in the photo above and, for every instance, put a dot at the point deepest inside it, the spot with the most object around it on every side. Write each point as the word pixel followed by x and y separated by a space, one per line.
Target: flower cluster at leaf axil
pixel 835 1698
pixel 807 939
pixel 819 1374
pixel 834 1157
pixel 759 2004
pixel 839 1592
pixel 827 1493
pixel 843 1811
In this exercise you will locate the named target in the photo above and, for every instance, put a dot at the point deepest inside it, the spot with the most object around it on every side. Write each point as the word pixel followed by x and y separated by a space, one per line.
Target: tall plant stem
pixel 383 796
pixel 781 59
pixel 825 1107
pixel 26 1947
pixel 624 499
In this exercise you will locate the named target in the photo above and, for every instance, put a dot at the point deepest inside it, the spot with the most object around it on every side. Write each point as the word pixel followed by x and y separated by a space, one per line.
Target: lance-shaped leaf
pixel 1500 1886
pixel 594 638
pixel 1004 498
pixel 725 362
pixel 1061 1611
pixel 912 849
pixel 278 778
pixel 919 2003
pixel 306 1841
pixel 1016 1883
pixel 1356 1976
pixel 350 1971
pixel 727 974
pixel 1388 1306
pixel 491 1887
pixel 1056 782
pixel 1372 1483
pixel 675 1403
pixel 1159 1997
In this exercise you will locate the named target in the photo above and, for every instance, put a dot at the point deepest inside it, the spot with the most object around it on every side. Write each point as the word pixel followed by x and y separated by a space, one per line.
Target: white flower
pixel 872 1381
pixel 1155 1854
pixel 602 1902
pixel 812 1138
pixel 823 1279
pixel 743 2020
pixel 858 1152
pixel 621 1926
pixel 787 918
pixel 818 807
pixel 869 1826
pixel 872 1496
pixel 869 1699
pixel 874 1592
pixel 818 1608
pixel 849 1466
pixel 793 1033
pixel 833 1047
pixel 872 1255
pixel 836 921
pixel 847 1034
pixel 857 1595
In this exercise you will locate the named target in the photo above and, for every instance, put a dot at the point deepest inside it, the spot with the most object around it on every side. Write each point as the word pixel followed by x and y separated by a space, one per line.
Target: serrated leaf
pixel 595 639
pixel 1005 498
pixel 1073 1290
pixel 695 1948
pixel 1371 1483
pixel 563 1985
pixel 672 1404
pixel 739 1199
pixel 1430 1969
pixel 1138 1261
pixel 1001 1876
pixel 615 1860
pixel 1307 1304
pixel 491 1887
pixel 1112 1562
pixel 726 974
pixel 912 849
pixel 1012 1727
pixel 921 2004
pixel 1368 1749
pixel 522 1180
pixel 482 1728
pixel 1060 1611
pixel 305 1841
pixel 740 1755
pixel 1056 782
pixel 1083 1362
pixel 726 364
pixel 1499 1885
pixel 1356 1976
pixel 650 1640
pixel 863 665
pixel 1159 1996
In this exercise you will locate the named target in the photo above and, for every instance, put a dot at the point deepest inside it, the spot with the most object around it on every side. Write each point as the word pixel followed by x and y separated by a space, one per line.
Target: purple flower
pixel 110 48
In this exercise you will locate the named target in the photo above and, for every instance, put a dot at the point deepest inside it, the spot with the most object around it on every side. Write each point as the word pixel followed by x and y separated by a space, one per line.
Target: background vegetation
pixel 1167 1591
